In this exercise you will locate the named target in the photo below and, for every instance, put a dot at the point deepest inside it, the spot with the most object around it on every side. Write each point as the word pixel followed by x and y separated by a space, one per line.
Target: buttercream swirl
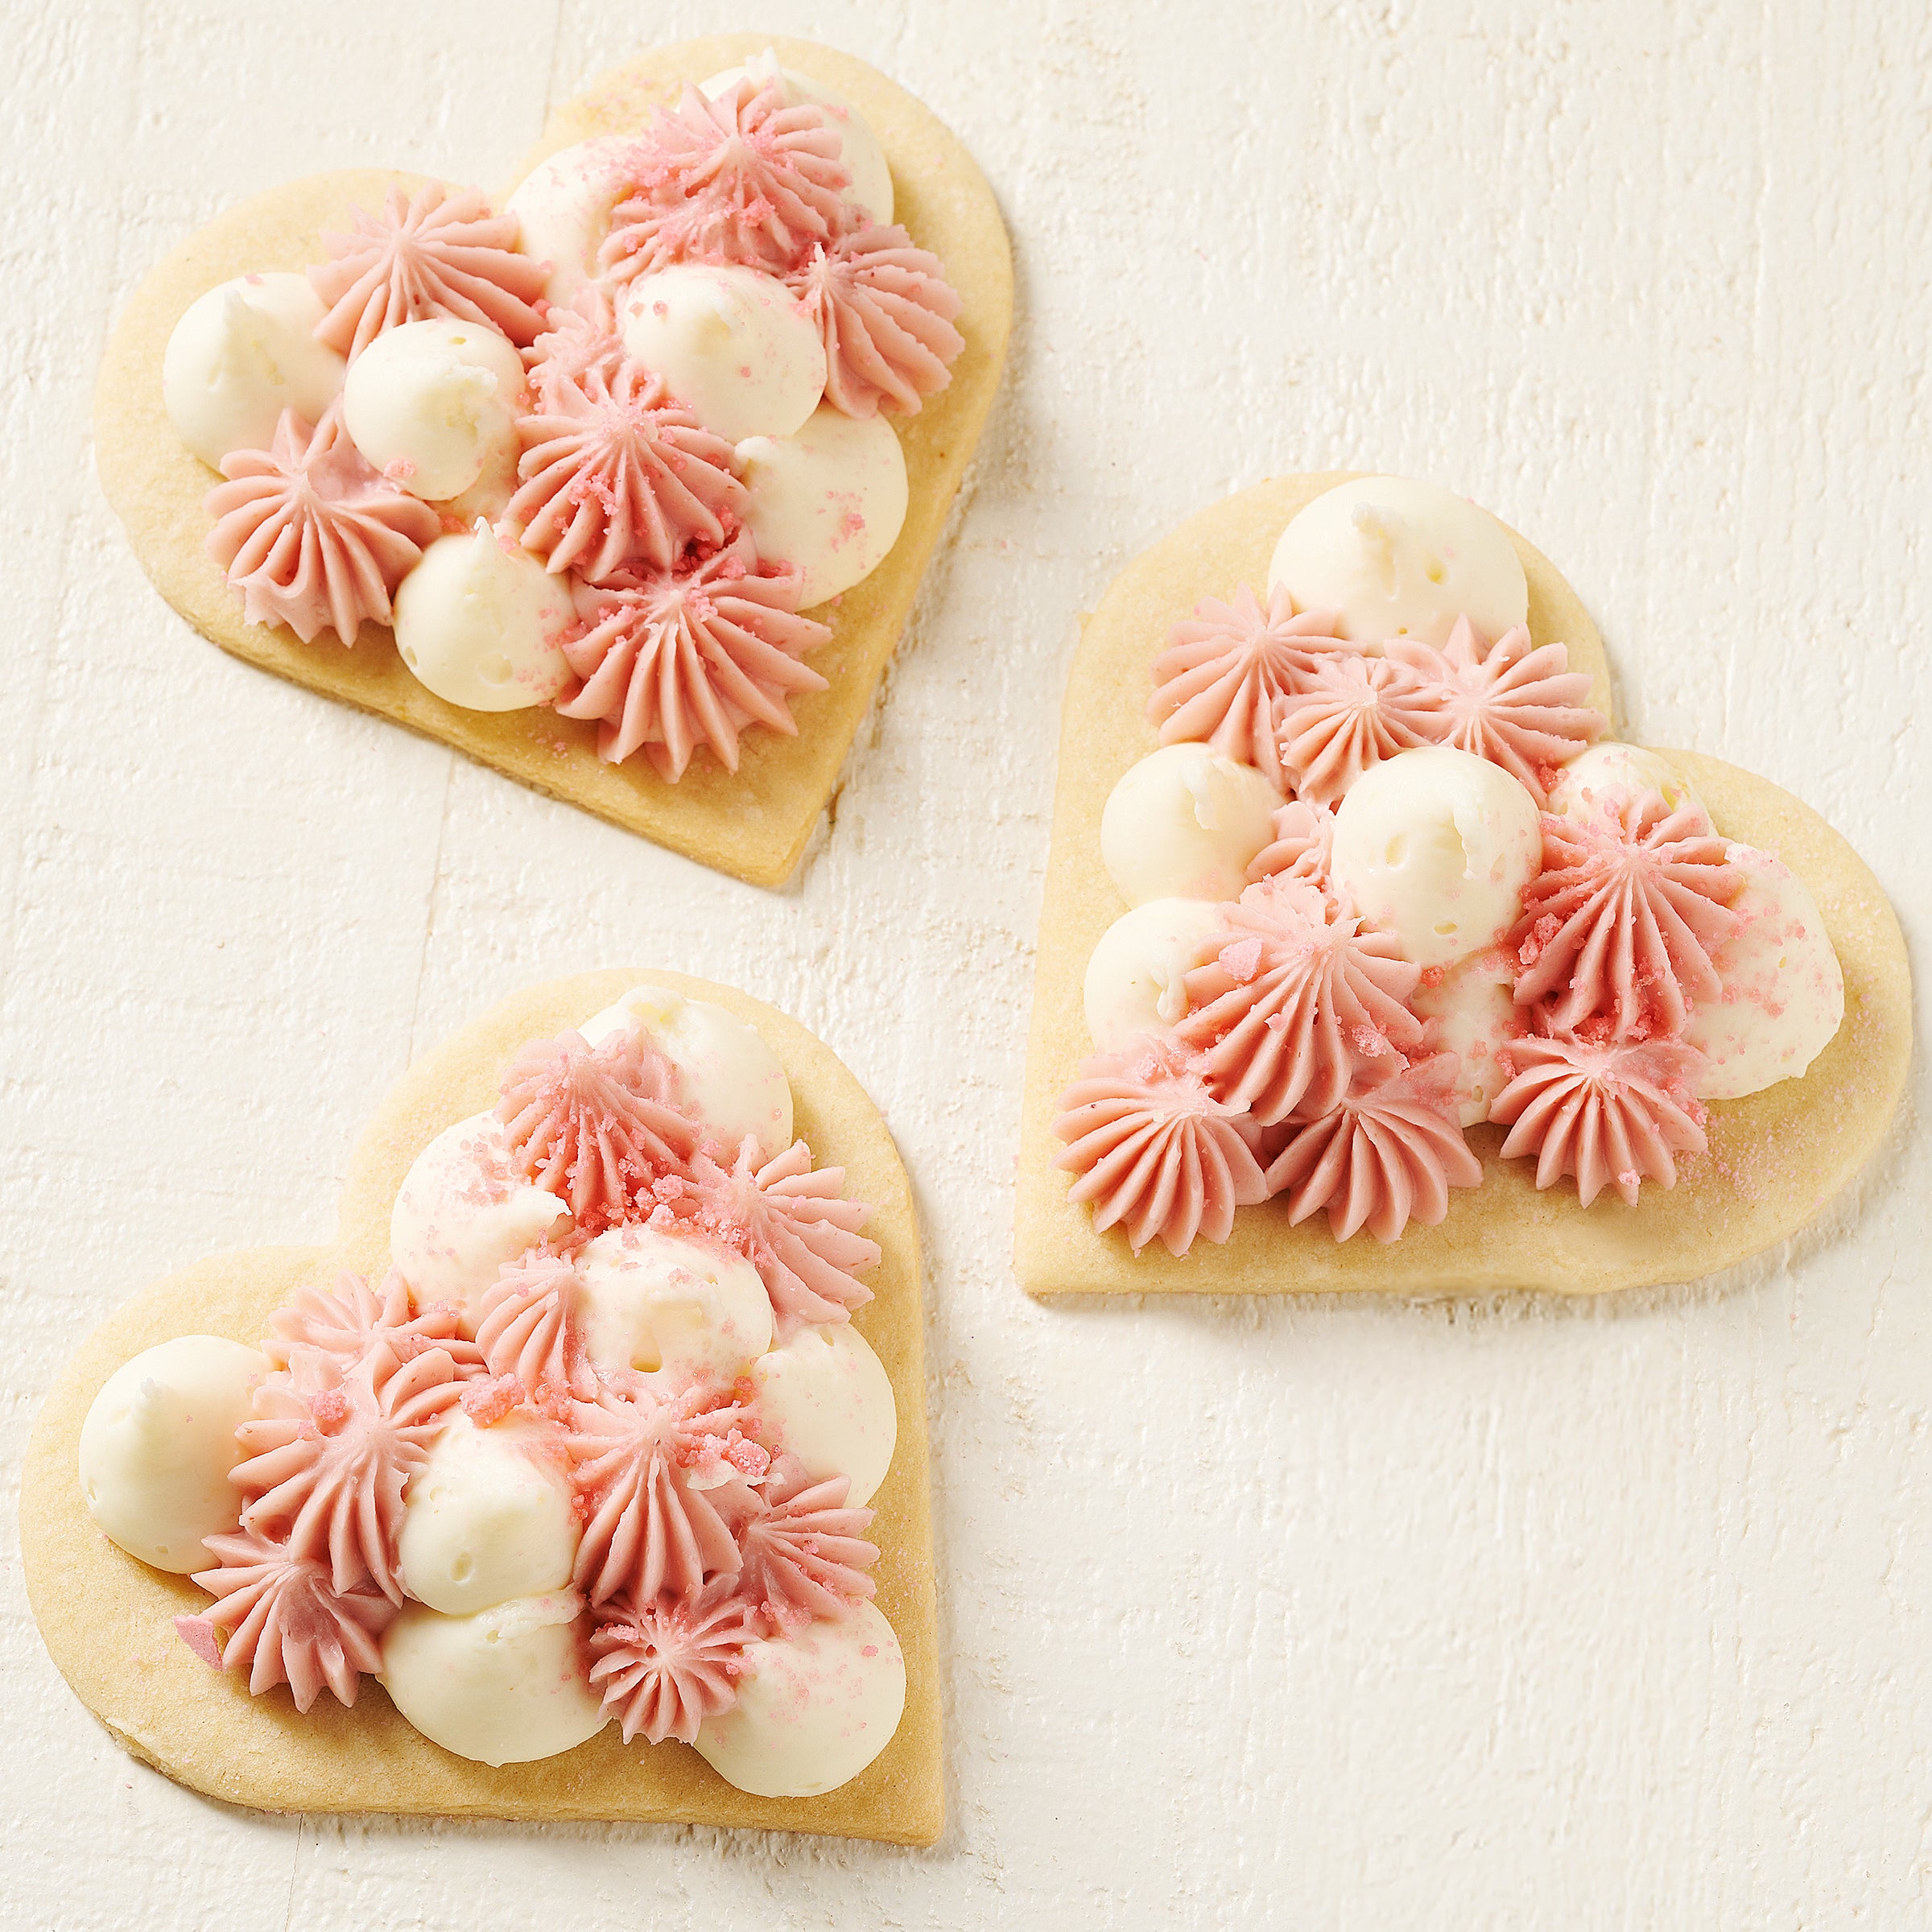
pixel 1612 1114
pixel 1226 669
pixel 666 1668
pixel 1619 929
pixel 651 1473
pixel 593 1125
pixel 579 343
pixel 311 535
pixel 794 1224
pixel 1517 703
pixel 327 1456
pixel 1353 711
pixel 885 311
pixel 1155 1151
pixel 1387 1155
pixel 439 252
pixel 614 473
pixel 526 1330
pixel 350 1320
pixel 281 1620
pixel 743 179
pixel 1302 846
pixel 1300 1001
pixel 804 1555
pixel 690 657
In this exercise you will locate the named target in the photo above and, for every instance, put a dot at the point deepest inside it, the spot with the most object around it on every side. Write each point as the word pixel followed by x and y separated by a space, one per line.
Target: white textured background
pixel 1367 1615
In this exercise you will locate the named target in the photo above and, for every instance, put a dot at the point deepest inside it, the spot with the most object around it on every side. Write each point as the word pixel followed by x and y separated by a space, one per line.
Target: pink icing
pixel 1618 929
pixel 1611 1114
pixel 1299 1003
pixel 439 253
pixel 579 345
pixel 1226 669
pixel 1353 711
pixel 526 1330
pixel 327 1456
pixel 794 1225
pixel 1302 846
pixel 1387 1155
pixel 615 474
pixel 742 178
pixel 1155 1151
pixel 594 1124
pixel 347 1322
pixel 665 1669
pixel 309 533
pixel 885 311
pixel 691 656
pixel 805 1555
pixel 650 1477
pixel 1516 704
pixel 286 1623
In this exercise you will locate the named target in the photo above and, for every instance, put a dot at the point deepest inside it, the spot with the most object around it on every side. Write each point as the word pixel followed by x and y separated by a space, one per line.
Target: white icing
pixel 459 1217
pixel 656 1301
pixel 1136 978
pixel 813 1710
pixel 733 344
pixel 727 1076
pixel 487 1517
pixel 1475 1012
pixel 829 500
pixel 1186 823
pixel 502 1686
pixel 479 621
pixel 824 1396
pixel 433 406
pixel 240 355
pixel 1609 769
pixel 1436 846
pixel 1784 994
pixel 562 208
pixel 1399 558
pixel 158 1444
pixel 859 148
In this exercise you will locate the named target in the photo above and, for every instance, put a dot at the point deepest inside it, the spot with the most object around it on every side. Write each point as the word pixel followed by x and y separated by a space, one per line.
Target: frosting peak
pixel 805 1555
pixel 691 656
pixel 1300 1001
pixel 743 179
pixel 311 535
pixel 1155 1150
pixel 1302 846
pixel 527 1332
pixel 349 1321
pixel 1227 669
pixel 1351 712
pixel 666 1668
pixel 439 252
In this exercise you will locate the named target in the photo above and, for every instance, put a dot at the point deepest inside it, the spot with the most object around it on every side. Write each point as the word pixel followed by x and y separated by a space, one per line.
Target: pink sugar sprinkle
pixel 198 1633
pixel 869 1650
pixel 1434 975
pixel 329 1407
pixel 489 1401
pixel 1242 960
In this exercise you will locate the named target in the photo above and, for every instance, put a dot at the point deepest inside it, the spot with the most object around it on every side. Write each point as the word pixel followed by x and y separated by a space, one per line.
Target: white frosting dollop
pixel 503 1686
pixel 728 1075
pixel 829 500
pixel 479 621
pixel 732 343
pixel 1610 769
pixel 1399 558
pixel 1475 1012
pixel 460 1215
pixel 1436 846
pixel 434 405
pixel 1784 995
pixel 1135 979
pixel 157 1443
pixel 487 1517
pixel 814 1709
pixel 656 1301
pixel 859 148
pixel 824 1396
pixel 240 355
pixel 562 208
pixel 1185 823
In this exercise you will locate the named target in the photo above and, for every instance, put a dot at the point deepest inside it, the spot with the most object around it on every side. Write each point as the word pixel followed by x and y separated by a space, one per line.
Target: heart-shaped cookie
pixel 1774 1157
pixel 108 1620
pixel 753 822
